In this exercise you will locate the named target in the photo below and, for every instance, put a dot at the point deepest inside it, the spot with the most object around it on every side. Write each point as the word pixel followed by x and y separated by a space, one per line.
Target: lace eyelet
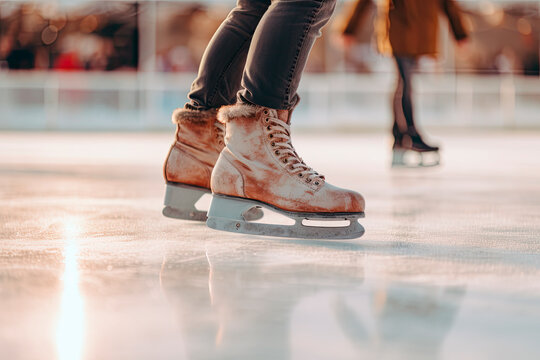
pixel 270 136
pixel 268 127
pixel 285 161
pixel 276 152
pixel 265 112
pixel 300 175
pixel 316 183
pixel 266 119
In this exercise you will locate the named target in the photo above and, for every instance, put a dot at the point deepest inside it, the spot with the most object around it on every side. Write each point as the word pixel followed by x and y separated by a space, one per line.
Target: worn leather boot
pixel 198 142
pixel 259 164
pixel 189 164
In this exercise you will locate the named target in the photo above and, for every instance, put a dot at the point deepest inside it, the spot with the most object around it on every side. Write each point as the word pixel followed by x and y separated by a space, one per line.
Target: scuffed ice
pixel 449 266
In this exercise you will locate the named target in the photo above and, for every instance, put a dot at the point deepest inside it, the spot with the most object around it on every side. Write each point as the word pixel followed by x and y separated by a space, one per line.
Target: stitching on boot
pixel 239 187
pixel 182 115
pixel 227 113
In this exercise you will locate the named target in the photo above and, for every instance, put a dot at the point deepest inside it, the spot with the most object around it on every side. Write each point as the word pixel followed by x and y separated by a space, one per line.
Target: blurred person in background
pixel 406 29
pixel 97 36
pixel 247 85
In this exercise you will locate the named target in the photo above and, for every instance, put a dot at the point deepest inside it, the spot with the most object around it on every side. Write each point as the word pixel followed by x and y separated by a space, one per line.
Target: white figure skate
pixel 189 164
pixel 412 151
pixel 260 168
pixel 407 158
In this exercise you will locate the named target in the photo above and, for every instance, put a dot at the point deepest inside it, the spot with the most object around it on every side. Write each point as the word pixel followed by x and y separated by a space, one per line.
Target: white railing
pixel 144 101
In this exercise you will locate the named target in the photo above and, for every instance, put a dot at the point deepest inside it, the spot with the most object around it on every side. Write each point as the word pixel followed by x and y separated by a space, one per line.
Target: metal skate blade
pixel 300 231
pixel 225 214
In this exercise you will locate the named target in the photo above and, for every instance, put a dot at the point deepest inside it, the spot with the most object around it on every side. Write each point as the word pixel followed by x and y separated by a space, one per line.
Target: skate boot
pixel 189 164
pixel 410 150
pixel 259 167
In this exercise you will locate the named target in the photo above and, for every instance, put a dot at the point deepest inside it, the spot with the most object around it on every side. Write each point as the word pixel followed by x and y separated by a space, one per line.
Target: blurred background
pixel 449 267
pixel 125 65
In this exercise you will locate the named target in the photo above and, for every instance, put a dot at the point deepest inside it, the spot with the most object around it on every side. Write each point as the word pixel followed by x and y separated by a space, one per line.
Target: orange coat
pixel 407 27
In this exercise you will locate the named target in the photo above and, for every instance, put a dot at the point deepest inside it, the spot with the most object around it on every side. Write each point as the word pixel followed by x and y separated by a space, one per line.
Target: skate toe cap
pixel 345 201
pixel 357 203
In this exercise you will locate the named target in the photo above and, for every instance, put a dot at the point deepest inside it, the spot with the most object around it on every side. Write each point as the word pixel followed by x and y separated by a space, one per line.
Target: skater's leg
pixel 280 48
pixel 402 104
pixel 259 166
pixel 406 135
pixel 406 67
pixel 404 113
pixel 399 126
pixel 223 61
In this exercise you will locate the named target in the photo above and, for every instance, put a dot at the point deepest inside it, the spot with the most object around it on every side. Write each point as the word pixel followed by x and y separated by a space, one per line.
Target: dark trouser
pixel 258 54
pixel 403 108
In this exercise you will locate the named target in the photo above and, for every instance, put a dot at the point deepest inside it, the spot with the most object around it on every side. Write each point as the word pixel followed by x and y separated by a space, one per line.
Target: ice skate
pixel 189 164
pixel 260 168
pixel 412 151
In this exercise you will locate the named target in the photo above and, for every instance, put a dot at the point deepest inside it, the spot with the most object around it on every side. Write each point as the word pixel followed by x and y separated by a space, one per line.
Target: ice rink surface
pixel 449 267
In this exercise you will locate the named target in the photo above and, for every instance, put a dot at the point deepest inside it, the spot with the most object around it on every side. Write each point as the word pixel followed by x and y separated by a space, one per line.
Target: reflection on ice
pixel 401 318
pixel 70 330
pixel 255 307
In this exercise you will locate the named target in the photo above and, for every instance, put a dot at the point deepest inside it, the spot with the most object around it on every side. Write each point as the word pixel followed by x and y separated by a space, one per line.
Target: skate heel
pixel 180 202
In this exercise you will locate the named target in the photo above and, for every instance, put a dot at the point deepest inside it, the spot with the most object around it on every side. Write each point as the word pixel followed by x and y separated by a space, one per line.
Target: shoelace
pixel 279 134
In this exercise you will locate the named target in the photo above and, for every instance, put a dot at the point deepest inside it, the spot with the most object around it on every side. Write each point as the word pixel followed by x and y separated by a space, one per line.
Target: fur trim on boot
pixel 227 113
pixel 182 115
